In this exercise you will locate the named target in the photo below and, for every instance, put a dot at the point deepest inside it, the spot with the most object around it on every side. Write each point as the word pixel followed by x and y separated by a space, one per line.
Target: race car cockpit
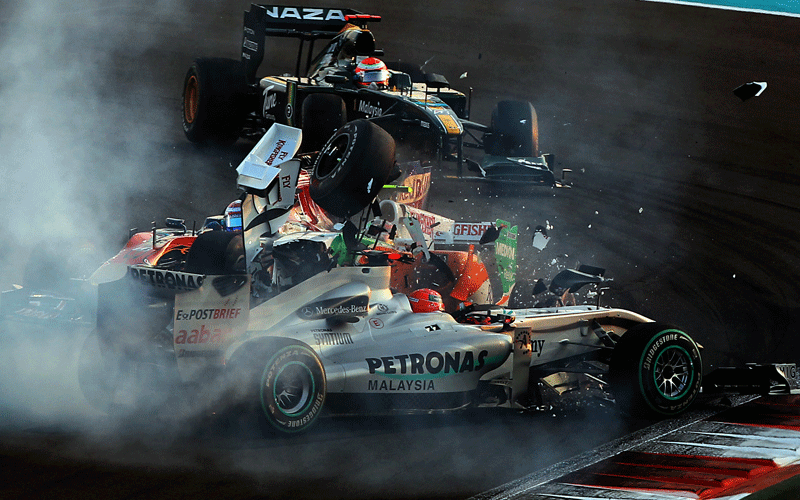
pixel 342 54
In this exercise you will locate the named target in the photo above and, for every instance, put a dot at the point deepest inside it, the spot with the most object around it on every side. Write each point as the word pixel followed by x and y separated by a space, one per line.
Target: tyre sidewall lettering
pixel 655 347
pixel 271 372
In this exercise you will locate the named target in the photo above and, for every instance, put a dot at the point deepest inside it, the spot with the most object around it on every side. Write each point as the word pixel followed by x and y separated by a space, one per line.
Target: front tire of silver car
pixel 655 370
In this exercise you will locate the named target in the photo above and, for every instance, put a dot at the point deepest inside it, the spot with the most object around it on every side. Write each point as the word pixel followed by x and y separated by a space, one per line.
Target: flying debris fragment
pixel 748 90
pixel 540 238
pixel 463 75
pixel 491 234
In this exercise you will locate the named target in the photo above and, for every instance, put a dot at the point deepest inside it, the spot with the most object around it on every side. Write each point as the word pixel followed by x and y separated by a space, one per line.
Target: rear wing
pixel 305 23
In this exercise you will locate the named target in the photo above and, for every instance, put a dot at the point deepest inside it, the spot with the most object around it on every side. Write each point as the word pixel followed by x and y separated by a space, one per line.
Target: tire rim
pixel 673 372
pixel 293 388
pixel 331 156
pixel 190 99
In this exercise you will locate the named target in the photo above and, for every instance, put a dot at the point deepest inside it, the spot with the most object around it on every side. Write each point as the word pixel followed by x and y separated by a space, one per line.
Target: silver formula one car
pixel 274 321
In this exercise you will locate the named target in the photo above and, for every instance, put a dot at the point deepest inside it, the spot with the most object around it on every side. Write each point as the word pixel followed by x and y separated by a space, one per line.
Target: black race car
pixel 224 100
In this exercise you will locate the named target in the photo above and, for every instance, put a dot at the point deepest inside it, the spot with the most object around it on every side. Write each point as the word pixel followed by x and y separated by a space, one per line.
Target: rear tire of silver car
pixel 655 370
pixel 214 101
pixel 292 388
pixel 320 116
pixel 352 167
pixel 514 130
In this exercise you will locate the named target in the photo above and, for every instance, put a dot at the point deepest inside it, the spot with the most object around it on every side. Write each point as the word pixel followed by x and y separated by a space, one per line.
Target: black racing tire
pixel 214 101
pixel 655 370
pixel 216 253
pixel 514 130
pixel 352 167
pixel 292 388
pixel 286 381
pixel 320 116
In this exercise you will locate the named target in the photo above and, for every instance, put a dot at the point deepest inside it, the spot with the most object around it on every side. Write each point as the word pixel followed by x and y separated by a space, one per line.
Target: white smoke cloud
pixel 76 138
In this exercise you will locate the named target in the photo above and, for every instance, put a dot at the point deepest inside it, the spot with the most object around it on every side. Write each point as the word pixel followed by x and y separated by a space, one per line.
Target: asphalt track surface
pixel 686 194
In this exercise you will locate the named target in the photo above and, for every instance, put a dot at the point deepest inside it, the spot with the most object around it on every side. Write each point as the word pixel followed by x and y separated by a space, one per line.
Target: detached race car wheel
pixel 514 130
pixel 656 369
pixel 352 167
pixel 214 96
pixel 321 116
pixel 292 388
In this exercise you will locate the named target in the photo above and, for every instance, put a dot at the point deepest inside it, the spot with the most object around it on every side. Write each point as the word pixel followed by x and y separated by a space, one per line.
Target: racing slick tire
pixel 655 370
pixel 320 116
pixel 352 167
pixel 288 380
pixel 514 130
pixel 214 101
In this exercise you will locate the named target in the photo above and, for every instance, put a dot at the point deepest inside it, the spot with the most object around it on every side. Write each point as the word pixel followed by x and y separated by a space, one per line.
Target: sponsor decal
pixel 201 314
pixel 354 306
pixel 171 280
pixel 277 153
pixel 333 338
pixel 202 336
pixel 426 219
pixel 348 309
pixel 369 109
pixel 648 360
pixel 382 308
pixel 400 385
pixel 450 125
pixel 523 339
pixel 308 416
pixel 250 45
pixel 376 323
pixel 432 363
pixel 270 101
pixel 431 102
pixel 537 346
pixel 789 370
pixel 305 13
pixel 419 182
pixel 470 230
pixel 183 353
pixel 505 251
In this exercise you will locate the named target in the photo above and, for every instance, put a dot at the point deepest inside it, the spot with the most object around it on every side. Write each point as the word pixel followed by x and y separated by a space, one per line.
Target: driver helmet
pixel 372 70
pixel 425 300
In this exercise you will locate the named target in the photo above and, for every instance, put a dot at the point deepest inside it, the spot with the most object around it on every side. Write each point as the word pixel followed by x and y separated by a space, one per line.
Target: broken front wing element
pixel 764 379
